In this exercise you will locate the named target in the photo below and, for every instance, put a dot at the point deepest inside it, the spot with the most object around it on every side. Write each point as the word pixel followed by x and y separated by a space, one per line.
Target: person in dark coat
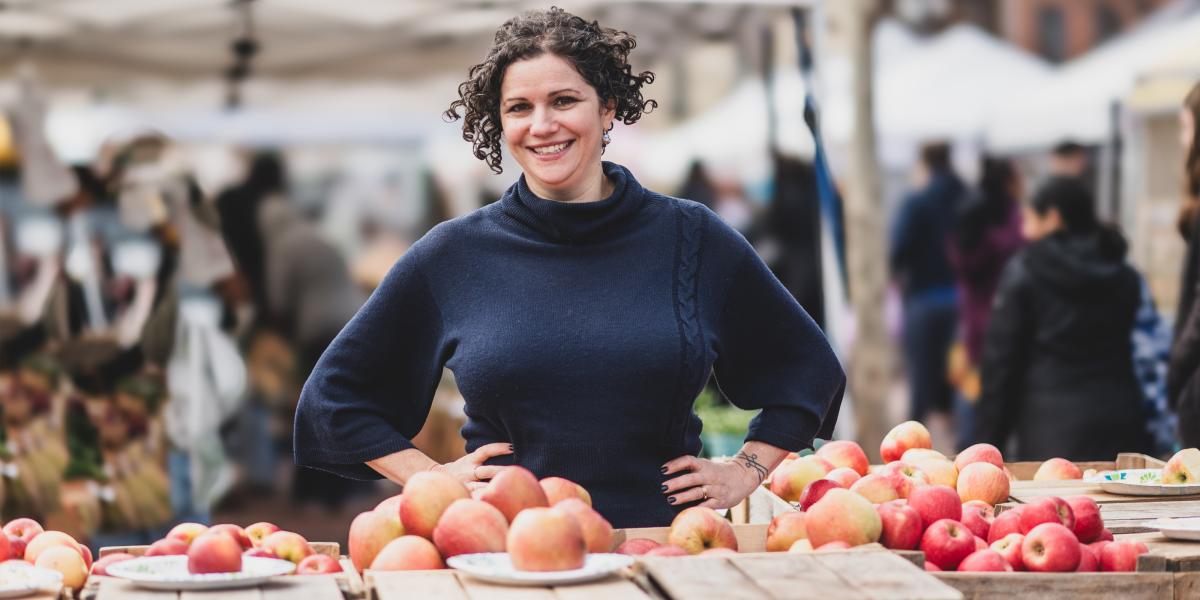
pixel 1183 384
pixel 1057 359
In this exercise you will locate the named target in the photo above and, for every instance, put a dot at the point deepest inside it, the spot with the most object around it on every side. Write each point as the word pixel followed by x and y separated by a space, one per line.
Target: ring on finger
pixel 475 472
pixel 704 491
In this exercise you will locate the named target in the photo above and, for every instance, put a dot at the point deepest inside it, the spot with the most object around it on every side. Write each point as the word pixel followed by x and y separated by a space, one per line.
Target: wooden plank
pixel 481 590
pixel 779 574
pixel 696 578
pixel 119 589
pixel 1187 586
pixel 252 593
pixel 300 587
pixel 1165 554
pixel 885 576
pixel 351 577
pixel 1053 586
pixel 414 585
pixel 605 589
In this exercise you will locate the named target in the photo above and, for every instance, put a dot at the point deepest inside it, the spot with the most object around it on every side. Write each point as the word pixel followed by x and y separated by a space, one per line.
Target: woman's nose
pixel 544 123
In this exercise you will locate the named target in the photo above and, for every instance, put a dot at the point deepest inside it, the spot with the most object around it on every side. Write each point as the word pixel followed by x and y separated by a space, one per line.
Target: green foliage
pixel 721 418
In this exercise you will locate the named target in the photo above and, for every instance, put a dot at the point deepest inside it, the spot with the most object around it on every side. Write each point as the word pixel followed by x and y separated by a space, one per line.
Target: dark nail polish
pixel 671 500
pixel 664 489
pixel 663 470
pixel 510 447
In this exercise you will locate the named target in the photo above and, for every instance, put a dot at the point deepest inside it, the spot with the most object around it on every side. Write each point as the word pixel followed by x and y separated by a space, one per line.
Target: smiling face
pixel 553 124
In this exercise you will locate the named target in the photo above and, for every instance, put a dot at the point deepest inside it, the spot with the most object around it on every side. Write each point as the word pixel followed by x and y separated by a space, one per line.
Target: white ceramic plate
pixel 171 573
pixel 495 567
pixel 1186 528
pixel 19 579
pixel 1141 482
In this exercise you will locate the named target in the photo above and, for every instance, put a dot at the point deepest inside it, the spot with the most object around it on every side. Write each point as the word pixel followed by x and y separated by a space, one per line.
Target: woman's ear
pixel 609 110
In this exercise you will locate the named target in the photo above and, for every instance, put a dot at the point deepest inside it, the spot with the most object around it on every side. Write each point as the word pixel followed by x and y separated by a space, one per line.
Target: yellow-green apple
pixel 318 564
pixel 844 453
pixel 978 515
pixel 369 533
pixel 426 495
pixel 214 552
pixel 237 533
pixel 24 528
pixel 983 561
pixel 833 546
pixel 843 476
pixel 983 481
pixel 1050 547
pixel 1183 467
pixel 876 488
pixel 907 435
pixel 791 477
pixel 258 532
pixel 785 529
pixel 1009 547
pixel 699 528
pixel 45 540
pixel 558 489
pixel 1121 556
pixel 843 515
pixel 936 502
pixel 288 545
pixel 100 567
pixel 666 551
pixel 597 531
pixel 512 490
pixel 1087 560
pixel 979 453
pixel 167 547
pixel 800 547
pixel 470 527
pixel 408 553
pixel 186 532
pixel 390 506
pixel 637 546
pixel 541 539
pixel 1050 509
pixel 67 561
pixel 939 471
pixel 718 552
pixel 902 525
pixel 1088 523
pixel 913 455
pixel 815 490
pixel 946 543
pixel 904 477
pixel 1005 523
pixel 1057 469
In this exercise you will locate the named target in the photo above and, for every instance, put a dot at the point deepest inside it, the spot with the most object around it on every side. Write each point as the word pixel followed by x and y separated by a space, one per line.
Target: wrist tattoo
pixel 750 461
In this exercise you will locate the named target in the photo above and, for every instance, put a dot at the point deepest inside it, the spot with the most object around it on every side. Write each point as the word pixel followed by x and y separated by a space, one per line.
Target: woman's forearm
pixel 397 467
pixel 759 458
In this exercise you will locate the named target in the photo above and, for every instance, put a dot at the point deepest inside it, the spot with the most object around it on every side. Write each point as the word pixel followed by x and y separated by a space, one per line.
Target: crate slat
pixel 779 578
pixel 885 576
pixel 414 585
pixel 1053 586
pixel 299 587
pixel 607 589
pixel 710 578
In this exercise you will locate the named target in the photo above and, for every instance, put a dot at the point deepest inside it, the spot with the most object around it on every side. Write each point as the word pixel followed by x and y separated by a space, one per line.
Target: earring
pixel 606 139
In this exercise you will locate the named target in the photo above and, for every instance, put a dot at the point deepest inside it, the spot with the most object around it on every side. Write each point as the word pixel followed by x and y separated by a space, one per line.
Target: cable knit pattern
pixel 691 335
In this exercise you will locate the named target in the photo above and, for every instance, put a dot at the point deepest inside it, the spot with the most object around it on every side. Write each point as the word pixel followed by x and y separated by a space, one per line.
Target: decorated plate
pixel 1185 528
pixel 19 579
pixel 495 567
pixel 171 573
pixel 1141 482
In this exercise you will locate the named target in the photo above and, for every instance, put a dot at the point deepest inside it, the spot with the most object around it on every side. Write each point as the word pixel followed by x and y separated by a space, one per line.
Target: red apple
pixel 1051 509
pixel 785 529
pixel 187 532
pixel 558 489
pixel 167 547
pixel 904 477
pixel 6 549
pixel 666 551
pixel 843 476
pixel 980 543
pixel 977 516
pixel 815 491
pixel 16 546
pixel 1088 523
pixel 946 543
pixel 979 453
pixel 791 477
pixel 914 455
pixel 318 564
pixel 699 528
pixel 514 489
pixel 876 488
pixel 100 567
pixel 931 567
pixel 391 505
pixel 214 552
pixel 24 528
pixel 1087 560
pixel 637 546
pixel 1050 547
pixel 87 555
pixel 426 496
pixel 369 533
pixel 1009 547
pixel 237 533
pixel 984 560
pixel 1105 534
pixel 541 539
pixel 903 437
pixel 936 502
pixel 288 546
pixel 408 553
pixel 259 532
pixel 597 531
pixel 259 552
pixel 983 481
pixel 843 515
pixel 844 453
pixel 938 470
pixel 717 552
pixel 902 525
pixel 1121 556
pixel 1005 523
pixel 470 527
pixel 1057 469
pixel 1097 549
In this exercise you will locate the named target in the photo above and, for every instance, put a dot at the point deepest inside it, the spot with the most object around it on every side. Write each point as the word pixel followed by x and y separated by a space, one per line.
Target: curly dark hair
pixel 599 54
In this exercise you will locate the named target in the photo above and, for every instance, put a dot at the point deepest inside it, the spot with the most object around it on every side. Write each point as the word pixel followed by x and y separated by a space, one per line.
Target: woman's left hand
pixel 714 484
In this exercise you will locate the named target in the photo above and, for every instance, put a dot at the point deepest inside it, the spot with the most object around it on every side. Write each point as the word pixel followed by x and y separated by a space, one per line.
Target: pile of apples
pixel 220 548
pixel 696 530
pixel 26 540
pixel 546 525
pixel 920 499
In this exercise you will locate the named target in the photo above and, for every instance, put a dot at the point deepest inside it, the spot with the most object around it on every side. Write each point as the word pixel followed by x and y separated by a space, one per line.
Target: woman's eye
pixel 565 101
pixel 517 107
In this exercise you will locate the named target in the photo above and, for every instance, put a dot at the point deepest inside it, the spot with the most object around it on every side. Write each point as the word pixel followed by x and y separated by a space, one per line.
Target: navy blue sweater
pixel 580 333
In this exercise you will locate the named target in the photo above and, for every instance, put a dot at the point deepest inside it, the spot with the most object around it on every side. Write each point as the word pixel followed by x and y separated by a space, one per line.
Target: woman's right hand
pixel 471 469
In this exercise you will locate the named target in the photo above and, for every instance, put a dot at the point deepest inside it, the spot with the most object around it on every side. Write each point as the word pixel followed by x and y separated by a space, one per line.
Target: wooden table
pixel 451 585
pixel 1028 491
pixel 295 587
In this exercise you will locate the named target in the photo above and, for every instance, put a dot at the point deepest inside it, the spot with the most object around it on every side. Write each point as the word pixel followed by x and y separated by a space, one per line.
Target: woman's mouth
pixel 553 150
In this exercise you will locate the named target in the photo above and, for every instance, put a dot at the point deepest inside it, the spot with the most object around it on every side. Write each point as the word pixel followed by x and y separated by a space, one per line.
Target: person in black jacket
pixel 1183 384
pixel 1057 361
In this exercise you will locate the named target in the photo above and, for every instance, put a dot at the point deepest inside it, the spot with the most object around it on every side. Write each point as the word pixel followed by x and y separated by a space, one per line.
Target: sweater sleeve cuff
pixel 351 464
pixel 789 429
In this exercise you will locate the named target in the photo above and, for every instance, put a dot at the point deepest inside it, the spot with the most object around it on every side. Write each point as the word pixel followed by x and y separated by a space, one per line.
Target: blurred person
pixel 1069 159
pixel 1058 371
pixel 581 314
pixel 793 222
pixel 238 207
pixel 698 185
pixel 920 263
pixel 1183 386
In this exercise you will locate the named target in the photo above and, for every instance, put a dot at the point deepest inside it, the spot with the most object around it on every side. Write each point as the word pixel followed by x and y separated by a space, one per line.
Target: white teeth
pixel 550 149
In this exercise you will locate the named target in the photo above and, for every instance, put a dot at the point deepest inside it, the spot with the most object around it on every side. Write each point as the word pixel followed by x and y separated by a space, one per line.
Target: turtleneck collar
pixel 576 222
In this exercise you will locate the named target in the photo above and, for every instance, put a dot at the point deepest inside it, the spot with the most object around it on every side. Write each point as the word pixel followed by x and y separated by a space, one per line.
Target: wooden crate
pixel 1083 586
pixel 1134 517
pixel 451 585
pixel 1165 554
pixel 760 507
pixel 1024 471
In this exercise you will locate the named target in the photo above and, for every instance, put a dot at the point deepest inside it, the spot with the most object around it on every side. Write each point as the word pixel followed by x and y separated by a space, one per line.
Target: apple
pixel 87 556
pixel 982 481
pixel 318 564
pixel 977 515
pixel 979 453
pixel 791 477
pixel 45 540
pixel 637 546
pixel 369 533
pixel 699 528
pixel 1183 467
pixel 558 489
pixel 259 532
pixel 843 515
pixel 1009 547
pixel 167 547
pixel 1088 523
pixel 513 489
pixel 100 567
pixel 6 549
pixel 666 551
pixel 470 527
pixel 288 546
pixel 1050 509
pixel 541 539
pixel 913 455
pixel 936 502
pixel 843 476
pixel 815 491
pixel 904 477
pixel 1050 547
pixel 408 553
pixel 65 560
pixel 1105 534
pixel 903 437
pixel 186 532
pixel 984 560
pixel 24 528
pixel 259 552
pixel 902 525
pixel 426 496
pixel 1087 560
pixel 718 552
pixel 834 545
pixel 214 552
pixel 597 531
pixel 391 505
pixel 1097 548
pixel 946 543
pixel 876 488
pixel 939 471
pixel 237 533
pixel 785 529
pixel 1057 469
pixel 16 546
pixel 1005 523
pixel 844 453
pixel 931 567
pixel 1121 556
pixel 980 543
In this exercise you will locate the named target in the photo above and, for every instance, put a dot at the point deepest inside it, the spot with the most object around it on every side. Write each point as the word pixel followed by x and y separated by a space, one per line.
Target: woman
pixel 1057 359
pixel 581 314
pixel 1183 387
